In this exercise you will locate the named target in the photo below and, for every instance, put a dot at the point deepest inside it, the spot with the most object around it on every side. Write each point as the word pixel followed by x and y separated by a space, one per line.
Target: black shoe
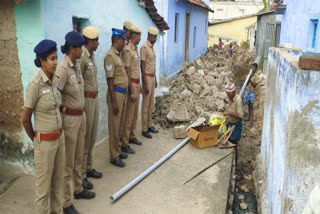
pixel 70 210
pixel 86 184
pixel 147 134
pixel 128 150
pixel 135 141
pixel 153 130
pixel 85 194
pixel 123 156
pixel 117 162
pixel 94 174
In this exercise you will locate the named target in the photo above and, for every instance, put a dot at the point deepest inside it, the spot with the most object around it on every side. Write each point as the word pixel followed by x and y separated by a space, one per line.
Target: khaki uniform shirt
pixel 148 55
pixel 89 71
pixel 131 60
pixel 114 68
pixel 235 106
pixel 43 96
pixel 255 80
pixel 71 83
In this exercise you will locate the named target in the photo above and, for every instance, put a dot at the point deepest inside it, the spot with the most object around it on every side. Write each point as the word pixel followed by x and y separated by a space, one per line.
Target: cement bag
pixel 218 119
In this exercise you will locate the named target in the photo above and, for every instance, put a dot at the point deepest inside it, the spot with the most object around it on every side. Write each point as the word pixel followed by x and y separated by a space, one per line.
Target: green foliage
pixel 229 205
pixel 245 44
pixel 260 65
pixel 265 4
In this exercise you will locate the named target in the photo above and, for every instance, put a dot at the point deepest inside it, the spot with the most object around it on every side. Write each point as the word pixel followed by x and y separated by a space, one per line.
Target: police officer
pixel 117 80
pixel 131 60
pixel 89 72
pixel 126 27
pixel 44 99
pixel 74 118
pixel 149 81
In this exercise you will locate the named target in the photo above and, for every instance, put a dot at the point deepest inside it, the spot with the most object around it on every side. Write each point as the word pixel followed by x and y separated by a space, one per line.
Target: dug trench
pixel 200 86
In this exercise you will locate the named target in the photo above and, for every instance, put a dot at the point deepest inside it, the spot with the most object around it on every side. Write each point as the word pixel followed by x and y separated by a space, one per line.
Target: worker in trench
pixel 131 59
pixel 234 115
pixel 89 72
pixel 249 95
pixel 43 98
pixel 71 85
pixel 117 80
pixel 149 82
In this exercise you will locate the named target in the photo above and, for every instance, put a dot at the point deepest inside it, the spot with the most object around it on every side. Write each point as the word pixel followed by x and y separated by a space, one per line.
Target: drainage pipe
pixel 248 77
pixel 140 177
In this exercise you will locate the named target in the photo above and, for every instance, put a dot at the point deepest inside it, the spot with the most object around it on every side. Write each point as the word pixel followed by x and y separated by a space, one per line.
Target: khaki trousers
pixel 131 116
pixel 92 115
pixel 49 163
pixel 147 104
pixel 116 124
pixel 74 129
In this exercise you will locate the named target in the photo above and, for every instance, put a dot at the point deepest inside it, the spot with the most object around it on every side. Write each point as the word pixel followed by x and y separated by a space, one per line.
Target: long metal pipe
pixel 248 77
pixel 140 177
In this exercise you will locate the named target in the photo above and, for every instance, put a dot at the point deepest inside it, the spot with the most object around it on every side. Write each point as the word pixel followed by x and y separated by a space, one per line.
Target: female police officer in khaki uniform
pixel 44 99
pixel 74 119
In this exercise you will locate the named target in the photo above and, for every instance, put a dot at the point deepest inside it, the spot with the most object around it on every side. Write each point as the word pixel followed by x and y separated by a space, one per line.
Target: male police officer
pixel 117 80
pixel 149 82
pixel 131 59
pixel 126 27
pixel 89 73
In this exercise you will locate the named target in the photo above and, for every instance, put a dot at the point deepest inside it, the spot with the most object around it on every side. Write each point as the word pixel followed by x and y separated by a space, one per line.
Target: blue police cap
pixel 44 47
pixel 119 32
pixel 74 39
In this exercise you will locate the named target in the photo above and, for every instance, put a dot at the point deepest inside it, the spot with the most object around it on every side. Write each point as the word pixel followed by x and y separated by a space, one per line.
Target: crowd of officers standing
pixel 64 100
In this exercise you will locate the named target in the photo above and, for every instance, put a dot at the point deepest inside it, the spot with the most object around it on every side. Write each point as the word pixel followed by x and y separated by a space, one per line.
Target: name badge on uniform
pixel 45 91
pixel 90 63
pixel 79 72
pixel 58 88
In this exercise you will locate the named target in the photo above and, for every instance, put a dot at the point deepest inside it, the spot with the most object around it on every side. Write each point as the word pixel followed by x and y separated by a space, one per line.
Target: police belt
pixel 134 80
pixel 70 111
pixel 49 136
pixel 90 94
pixel 120 90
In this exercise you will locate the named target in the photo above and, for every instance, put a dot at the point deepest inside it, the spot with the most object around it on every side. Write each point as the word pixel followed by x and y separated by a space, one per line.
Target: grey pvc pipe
pixel 140 177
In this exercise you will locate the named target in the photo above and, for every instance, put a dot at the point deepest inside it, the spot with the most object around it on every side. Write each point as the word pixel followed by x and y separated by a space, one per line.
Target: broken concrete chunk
pixel 190 70
pixel 241 197
pixel 243 206
pixel 178 114
pixel 186 93
pixel 180 132
pixel 201 72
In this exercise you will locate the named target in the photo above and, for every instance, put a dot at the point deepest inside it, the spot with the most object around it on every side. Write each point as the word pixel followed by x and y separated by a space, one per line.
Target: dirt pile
pixel 201 86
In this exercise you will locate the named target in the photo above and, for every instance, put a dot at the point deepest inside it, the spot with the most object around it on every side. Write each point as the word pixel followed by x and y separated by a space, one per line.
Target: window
pixel 79 23
pixel 205 26
pixel 194 36
pixel 314 33
pixel 176 24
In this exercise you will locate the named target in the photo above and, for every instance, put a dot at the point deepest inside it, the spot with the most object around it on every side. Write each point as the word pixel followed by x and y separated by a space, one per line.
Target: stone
pixel 220 105
pixel 186 93
pixel 201 72
pixel 197 89
pixel 214 89
pixel 180 132
pixel 241 197
pixel 248 177
pixel 200 63
pixel 178 114
pixel 244 188
pixel 191 70
pixel 207 115
pixel 210 80
pixel 243 206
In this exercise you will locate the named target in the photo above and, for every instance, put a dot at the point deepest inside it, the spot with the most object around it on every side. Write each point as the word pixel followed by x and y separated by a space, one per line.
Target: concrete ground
pixel 161 192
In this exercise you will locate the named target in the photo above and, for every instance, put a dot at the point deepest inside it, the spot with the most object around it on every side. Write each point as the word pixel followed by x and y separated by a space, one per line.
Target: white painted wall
pixel 230 9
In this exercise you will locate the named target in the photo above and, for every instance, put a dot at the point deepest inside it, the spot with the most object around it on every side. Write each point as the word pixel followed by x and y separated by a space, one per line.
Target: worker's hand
pixel 226 113
pixel 133 97
pixel 145 88
pixel 115 108
pixel 156 84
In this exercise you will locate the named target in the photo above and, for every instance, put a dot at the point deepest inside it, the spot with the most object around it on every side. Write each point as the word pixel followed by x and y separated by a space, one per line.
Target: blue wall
pixel 38 19
pixel 296 25
pixel 175 51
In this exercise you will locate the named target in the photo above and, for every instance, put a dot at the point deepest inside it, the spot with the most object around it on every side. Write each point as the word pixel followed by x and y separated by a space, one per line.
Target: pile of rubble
pixel 201 86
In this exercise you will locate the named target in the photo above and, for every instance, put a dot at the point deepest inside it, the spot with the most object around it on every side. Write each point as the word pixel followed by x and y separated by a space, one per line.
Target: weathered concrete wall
pixel 290 147
pixel 11 100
